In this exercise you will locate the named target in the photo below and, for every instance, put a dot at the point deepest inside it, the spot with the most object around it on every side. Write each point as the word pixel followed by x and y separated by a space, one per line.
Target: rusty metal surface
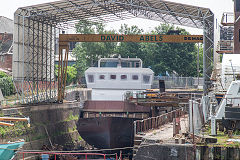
pixel 155 122
pixel 130 38
pixel 159 104
pixel 113 106
pixel 156 99
pixel 107 132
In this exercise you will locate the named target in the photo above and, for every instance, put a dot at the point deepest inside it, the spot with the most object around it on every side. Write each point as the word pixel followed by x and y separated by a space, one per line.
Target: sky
pixel 8 7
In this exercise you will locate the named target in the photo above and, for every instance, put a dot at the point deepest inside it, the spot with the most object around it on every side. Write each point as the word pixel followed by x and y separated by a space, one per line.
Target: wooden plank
pixel 130 38
pixel 6 124
pixel 13 119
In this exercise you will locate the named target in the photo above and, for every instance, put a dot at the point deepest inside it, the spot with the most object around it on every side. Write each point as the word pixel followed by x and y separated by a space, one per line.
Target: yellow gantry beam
pixel 64 40
pixel 130 38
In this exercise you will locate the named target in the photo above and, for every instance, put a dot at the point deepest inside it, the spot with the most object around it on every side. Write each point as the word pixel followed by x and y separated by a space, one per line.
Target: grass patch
pixel 74 129
pixel 80 138
pixel 72 117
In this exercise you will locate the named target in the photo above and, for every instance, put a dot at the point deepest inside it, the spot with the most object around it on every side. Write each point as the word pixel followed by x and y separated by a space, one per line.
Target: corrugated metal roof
pixel 112 10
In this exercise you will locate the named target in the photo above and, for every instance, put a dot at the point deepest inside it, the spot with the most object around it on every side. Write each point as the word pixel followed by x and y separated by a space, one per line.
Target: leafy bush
pixel 71 74
pixel 6 84
pixel 3 74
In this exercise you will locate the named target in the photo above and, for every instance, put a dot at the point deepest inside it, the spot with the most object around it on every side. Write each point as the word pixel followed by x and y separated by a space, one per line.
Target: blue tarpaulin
pixel 7 151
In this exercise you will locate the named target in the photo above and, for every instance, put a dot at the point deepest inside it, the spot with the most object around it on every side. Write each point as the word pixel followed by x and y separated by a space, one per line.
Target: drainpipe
pixel 237 27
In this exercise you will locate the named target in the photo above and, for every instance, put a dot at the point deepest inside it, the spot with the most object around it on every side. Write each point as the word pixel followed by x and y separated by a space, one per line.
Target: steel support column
pixel 208 49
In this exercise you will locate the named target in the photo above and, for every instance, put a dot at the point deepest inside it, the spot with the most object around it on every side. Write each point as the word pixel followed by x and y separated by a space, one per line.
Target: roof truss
pixel 105 11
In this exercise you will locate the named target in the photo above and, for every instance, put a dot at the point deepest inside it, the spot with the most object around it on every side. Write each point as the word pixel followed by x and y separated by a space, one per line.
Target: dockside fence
pixel 178 82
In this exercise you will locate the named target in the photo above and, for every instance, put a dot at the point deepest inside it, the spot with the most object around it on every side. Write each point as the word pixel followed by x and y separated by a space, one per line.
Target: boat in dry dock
pixel 106 120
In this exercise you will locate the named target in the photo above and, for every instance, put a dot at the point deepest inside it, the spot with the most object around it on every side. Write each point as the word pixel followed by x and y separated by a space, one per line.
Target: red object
pixel 53 153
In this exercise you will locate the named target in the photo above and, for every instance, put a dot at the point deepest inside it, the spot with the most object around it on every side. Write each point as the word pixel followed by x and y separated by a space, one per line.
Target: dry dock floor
pixel 165 133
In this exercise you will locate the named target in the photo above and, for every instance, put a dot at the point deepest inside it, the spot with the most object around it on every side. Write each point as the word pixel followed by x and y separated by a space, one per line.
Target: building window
pixel 146 79
pixel 102 77
pixel 112 76
pixel 90 78
pixel 123 77
pixel 2 58
pixel 135 77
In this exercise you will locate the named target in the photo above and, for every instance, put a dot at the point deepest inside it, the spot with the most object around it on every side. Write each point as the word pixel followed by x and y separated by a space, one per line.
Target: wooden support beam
pixel 62 69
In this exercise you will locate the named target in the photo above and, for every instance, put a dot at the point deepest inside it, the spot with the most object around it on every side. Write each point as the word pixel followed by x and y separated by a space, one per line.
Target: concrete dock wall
pixel 165 152
pixel 51 124
pixel 187 152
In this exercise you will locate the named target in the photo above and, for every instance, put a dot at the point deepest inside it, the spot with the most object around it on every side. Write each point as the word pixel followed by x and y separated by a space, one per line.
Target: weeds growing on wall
pixel 6 84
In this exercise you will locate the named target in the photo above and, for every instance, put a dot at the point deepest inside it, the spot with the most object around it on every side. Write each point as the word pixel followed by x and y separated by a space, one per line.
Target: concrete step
pixel 137 142
pixel 138 137
pixel 135 151
pixel 136 146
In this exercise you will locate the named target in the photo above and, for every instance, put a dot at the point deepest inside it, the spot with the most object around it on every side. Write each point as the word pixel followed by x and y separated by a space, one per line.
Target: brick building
pixel 6 40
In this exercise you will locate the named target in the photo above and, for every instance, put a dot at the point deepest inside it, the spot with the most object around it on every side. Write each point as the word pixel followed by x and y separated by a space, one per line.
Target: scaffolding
pixel 36 29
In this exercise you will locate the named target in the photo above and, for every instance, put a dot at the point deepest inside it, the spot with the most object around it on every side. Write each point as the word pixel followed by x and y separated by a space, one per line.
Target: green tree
pixel 3 74
pixel 88 53
pixel 129 49
pixel 71 74
pixel 130 30
pixel 161 57
pixel 180 58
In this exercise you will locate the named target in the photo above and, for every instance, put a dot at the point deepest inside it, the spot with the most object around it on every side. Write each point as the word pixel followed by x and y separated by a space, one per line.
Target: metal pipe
pixel 23 58
pixel 41 72
pixel 232 70
pixel 193 125
pixel 198 72
pixel 204 59
pixel 59 70
pixel 50 80
pixel 46 70
pixel 65 68
pixel 37 62
pixel 33 71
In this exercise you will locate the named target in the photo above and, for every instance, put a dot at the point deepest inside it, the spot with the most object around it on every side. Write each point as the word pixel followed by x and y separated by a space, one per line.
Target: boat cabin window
pixel 125 65
pixel 146 79
pixel 123 77
pixel 137 65
pixel 102 77
pixel 113 64
pixel 90 78
pixel 135 77
pixel 112 76
pixel 239 90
